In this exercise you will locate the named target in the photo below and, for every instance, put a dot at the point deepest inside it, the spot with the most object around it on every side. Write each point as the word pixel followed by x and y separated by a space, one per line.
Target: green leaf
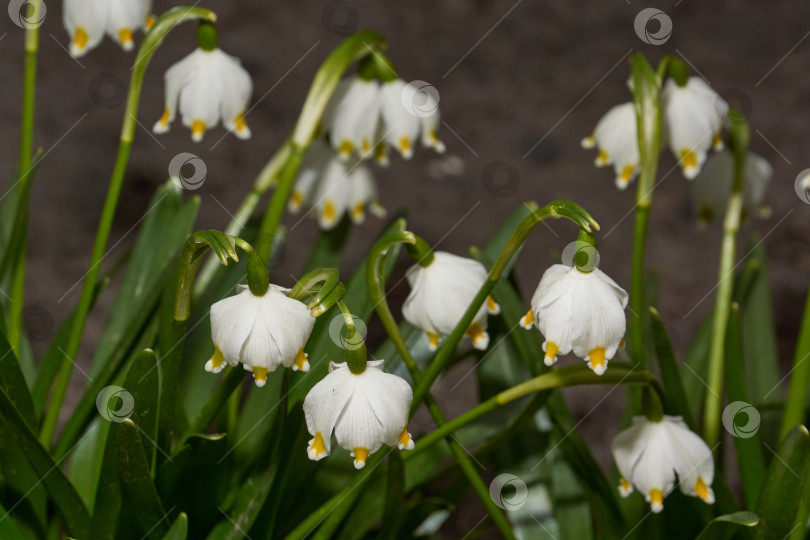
pixel 670 374
pixel 760 353
pixel 394 497
pixel 783 488
pixel 137 484
pixel 195 480
pixel 108 495
pixel 179 529
pixel 796 404
pixel 65 498
pixel 167 224
pixel 750 460
pixel 724 527
pixel 8 529
pixel 13 383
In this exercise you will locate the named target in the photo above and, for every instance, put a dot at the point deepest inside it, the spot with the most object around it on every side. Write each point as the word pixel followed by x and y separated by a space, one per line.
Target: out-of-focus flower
pixel 712 187
pixel 578 311
pixel 334 187
pixel 88 20
pixel 615 137
pixel 693 115
pixel 363 116
pixel 365 411
pixel 260 332
pixel 210 85
pixel 649 454
pixel 440 294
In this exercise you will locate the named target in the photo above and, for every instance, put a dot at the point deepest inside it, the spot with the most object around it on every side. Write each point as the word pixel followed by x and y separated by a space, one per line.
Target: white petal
pixel 237 88
pixel 333 194
pixel 90 17
pixel 201 96
pixel 325 403
pixel 125 16
pixel 231 322
pixel 400 125
pixel 177 76
pixel 690 456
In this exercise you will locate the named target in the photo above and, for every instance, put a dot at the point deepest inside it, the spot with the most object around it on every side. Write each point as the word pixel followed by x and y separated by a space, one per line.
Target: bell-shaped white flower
pixel 364 410
pixel 712 187
pixel 693 115
pixel 578 311
pixel 209 85
pixel 260 332
pixel 649 454
pixel 364 116
pixel 334 187
pixel 616 138
pixel 440 294
pixel 88 20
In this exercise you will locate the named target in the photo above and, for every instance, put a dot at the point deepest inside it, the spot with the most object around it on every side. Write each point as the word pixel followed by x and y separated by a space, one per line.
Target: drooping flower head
pixel 712 187
pixel 364 410
pixel 649 454
pixel 334 187
pixel 364 116
pixel 616 138
pixel 693 115
pixel 580 311
pixel 260 332
pixel 88 20
pixel 210 86
pixel 440 294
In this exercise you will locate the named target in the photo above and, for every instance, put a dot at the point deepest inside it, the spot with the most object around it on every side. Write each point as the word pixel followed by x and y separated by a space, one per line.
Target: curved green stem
pixel 576 375
pixel 800 377
pixel 739 137
pixel 25 170
pixel 556 209
pixel 323 85
pixel 150 44
pixel 375 284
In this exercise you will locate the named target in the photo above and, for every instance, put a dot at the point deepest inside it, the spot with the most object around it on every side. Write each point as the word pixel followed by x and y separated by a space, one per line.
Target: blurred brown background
pixel 512 76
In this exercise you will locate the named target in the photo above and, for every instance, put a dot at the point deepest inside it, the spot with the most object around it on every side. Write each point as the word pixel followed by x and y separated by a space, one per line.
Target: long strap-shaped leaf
pixel 724 527
pixel 136 481
pixel 61 491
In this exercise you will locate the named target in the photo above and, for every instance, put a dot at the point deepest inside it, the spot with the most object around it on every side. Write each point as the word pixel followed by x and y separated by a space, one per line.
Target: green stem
pixel 25 169
pixel 738 143
pixel 556 209
pixel 576 375
pixel 799 378
pixel 230 382
pixel 353 48
pixel 376 288
pixel 637 353
pixel 150 44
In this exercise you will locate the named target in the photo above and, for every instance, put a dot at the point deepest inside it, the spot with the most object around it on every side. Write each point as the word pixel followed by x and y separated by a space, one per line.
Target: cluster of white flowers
pixel 364 410
pixel 649 454
pixel 334 187
pixel 88 20
pixel 693 118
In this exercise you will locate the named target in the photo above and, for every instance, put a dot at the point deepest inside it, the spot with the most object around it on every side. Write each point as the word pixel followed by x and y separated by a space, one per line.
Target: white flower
pixel 88 20
pixel 210 85
pixel 578 311
pixel 693 115
pixel 260 332
pixel 363 115
pixel 364 410
pixel 616 137
pixel 712 187
pixel 649 454
pixel 334 187
pixel 440 294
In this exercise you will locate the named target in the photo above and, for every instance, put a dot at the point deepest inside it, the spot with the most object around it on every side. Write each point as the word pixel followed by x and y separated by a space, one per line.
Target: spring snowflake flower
pixel 693 115
pixel 615 137
pixel 649 454
pixel 334 188
pixel 210 85
pixel 712 187
pixel 440 294
pixel 88 20
pixel 260 332
pixel 364 116
pixel 578 311
pixel 364 410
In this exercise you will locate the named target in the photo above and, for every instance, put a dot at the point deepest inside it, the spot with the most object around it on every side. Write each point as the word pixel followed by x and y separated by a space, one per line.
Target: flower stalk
pixel 25 170
pixel 149 46
pixel 647 103
pixel 739 138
